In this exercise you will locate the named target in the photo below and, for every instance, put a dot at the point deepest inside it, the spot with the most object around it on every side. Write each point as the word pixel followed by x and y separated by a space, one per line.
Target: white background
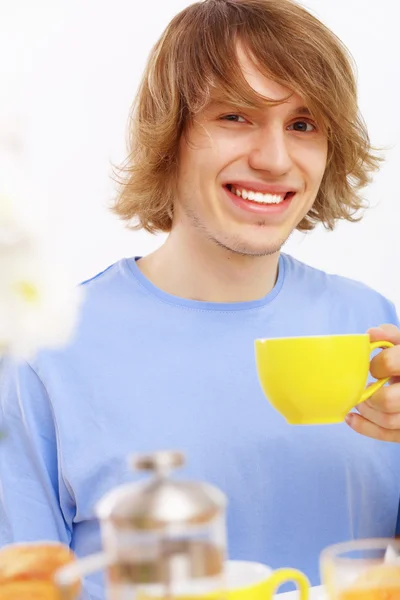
pixel 69 70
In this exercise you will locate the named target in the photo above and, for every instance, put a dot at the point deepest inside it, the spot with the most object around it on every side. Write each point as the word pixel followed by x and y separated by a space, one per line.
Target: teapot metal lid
pixel 161 502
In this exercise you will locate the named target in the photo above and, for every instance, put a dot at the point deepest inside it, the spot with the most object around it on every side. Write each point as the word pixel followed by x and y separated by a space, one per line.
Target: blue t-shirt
pixel 148 371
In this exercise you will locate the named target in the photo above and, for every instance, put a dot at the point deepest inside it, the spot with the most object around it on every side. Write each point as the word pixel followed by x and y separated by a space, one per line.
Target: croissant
pixel 27 571
pixel 380 582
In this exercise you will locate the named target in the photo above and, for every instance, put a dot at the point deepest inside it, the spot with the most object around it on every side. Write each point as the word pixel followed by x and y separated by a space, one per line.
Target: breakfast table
pixel 316 593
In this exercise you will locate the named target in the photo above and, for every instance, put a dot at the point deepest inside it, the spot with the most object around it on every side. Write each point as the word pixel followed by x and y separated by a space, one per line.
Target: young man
pixel 245 128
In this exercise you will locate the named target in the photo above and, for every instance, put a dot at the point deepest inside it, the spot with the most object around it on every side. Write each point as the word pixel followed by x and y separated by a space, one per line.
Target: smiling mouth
pixel 259 197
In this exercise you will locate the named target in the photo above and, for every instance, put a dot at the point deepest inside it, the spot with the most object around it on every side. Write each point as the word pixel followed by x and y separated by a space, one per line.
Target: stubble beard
pixel 231 244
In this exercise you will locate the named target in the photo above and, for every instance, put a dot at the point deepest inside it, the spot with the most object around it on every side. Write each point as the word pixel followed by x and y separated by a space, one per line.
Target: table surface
pixel 316 593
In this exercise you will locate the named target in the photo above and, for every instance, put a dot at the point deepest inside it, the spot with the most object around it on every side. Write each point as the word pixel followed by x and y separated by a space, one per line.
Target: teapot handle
pixel 69 577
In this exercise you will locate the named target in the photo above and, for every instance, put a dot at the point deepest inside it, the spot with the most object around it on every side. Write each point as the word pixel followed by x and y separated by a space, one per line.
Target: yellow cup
pixel 242 580
pixel 316 379
pixel 254 581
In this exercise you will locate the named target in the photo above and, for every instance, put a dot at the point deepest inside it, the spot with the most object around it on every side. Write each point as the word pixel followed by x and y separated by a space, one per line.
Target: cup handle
pixel 284 575
pixel 370 390
pixel 67 578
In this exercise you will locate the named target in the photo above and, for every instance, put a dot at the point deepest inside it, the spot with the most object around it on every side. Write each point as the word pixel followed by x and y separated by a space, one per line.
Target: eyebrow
pixel 302 111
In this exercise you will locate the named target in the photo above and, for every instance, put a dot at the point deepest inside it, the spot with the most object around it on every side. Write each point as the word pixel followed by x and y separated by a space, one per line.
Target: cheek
pixel 217 148
pixel 314 163
pixel 197 155
pixel 322 168
pixel 206 163
pixel 228 148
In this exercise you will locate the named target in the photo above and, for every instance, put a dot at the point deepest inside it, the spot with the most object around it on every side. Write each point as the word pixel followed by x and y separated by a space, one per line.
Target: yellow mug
pixel 316 379
pixel 247 580
pixel 243 580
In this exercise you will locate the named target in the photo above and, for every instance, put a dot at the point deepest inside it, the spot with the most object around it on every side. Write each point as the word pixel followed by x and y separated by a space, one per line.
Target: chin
pixel 246 246
pixel 247 249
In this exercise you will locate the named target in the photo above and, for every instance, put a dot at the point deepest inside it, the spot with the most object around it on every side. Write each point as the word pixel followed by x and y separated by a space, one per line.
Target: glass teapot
pixel 162 537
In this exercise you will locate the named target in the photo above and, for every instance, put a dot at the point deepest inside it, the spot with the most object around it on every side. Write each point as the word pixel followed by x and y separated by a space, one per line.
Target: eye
pixel 302 126
pixel 233 118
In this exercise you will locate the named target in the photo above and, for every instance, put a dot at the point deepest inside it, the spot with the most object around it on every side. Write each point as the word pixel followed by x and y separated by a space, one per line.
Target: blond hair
pixel 197 55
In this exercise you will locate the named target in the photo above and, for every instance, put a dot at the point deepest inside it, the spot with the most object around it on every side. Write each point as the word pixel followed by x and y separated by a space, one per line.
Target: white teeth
pixel 258 196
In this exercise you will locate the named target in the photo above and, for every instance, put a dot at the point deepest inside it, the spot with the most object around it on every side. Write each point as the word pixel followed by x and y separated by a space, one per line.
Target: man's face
pixel 247 180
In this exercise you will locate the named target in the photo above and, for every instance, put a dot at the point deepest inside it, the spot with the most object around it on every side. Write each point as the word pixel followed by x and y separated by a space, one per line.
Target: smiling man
pixel 245 128
pixel 248 175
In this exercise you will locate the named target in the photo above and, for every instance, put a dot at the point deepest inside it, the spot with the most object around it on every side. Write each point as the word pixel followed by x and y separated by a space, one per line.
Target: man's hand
pixel 379 416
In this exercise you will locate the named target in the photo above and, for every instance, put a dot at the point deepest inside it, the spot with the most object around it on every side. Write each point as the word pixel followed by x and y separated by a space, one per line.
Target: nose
pixel 270 151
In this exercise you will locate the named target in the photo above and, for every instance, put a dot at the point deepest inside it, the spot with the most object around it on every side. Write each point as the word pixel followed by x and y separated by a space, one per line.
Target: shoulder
pixel 108 303
pixel 345 293
pixel 107 280
pixel 109 290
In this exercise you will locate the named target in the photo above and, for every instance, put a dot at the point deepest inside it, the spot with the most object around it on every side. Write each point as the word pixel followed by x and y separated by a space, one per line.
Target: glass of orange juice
pixel 366 569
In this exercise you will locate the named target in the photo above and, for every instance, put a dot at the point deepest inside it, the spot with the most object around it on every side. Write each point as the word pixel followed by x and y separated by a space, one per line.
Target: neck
pixel 188 267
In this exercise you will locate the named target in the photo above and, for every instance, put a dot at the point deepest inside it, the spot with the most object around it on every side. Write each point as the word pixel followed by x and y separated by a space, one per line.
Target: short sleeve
pixel 30 507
